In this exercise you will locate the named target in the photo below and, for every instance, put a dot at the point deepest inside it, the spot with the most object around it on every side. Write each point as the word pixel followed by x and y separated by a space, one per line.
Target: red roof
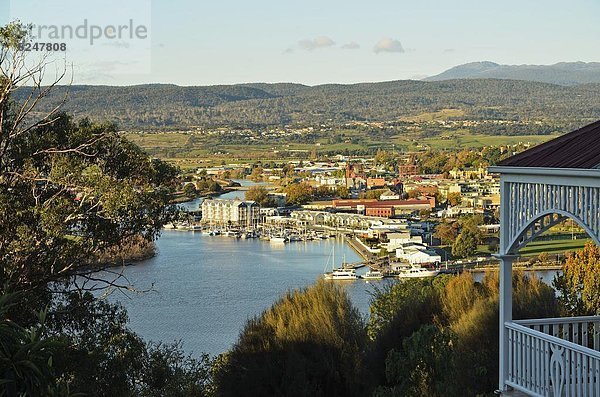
pixel 577 149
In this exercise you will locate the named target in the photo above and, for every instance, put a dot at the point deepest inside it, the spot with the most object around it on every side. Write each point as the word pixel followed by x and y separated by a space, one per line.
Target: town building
pixel 417 254
pixel 376 183
pixel 385 208
pixel 231 212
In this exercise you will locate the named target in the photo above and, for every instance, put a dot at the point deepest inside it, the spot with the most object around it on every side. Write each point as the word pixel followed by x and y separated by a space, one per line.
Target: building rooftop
pixel 577 149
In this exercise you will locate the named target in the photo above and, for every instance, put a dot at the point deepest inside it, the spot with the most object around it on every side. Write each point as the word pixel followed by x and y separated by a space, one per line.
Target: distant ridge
pixel 563 73
pixel 262 104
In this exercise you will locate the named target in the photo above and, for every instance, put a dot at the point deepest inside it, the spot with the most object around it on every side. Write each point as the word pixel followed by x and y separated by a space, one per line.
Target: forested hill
pixel 563 73
pixel 170 106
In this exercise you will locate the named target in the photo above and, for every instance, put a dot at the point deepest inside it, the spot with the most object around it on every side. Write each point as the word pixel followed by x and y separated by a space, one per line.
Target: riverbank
pixel 186 199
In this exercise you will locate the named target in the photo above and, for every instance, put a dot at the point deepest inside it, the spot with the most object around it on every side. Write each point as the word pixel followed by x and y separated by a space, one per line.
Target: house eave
pixel 546 171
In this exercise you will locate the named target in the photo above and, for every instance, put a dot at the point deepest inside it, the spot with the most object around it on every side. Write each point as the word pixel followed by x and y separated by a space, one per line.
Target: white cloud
pixel 388 45
pixel 351 46
pixel 317 42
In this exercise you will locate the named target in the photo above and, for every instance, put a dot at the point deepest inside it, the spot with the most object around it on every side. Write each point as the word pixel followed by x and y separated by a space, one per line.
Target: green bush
pixel 308 343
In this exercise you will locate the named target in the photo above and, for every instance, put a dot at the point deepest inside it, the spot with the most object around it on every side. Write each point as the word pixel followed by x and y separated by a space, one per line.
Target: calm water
pixel 205 288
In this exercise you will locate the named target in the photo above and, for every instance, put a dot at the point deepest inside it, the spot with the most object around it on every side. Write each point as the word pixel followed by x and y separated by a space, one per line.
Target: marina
pixel 211 285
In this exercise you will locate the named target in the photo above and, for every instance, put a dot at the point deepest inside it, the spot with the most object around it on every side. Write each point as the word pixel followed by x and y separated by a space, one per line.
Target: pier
pixel 371 260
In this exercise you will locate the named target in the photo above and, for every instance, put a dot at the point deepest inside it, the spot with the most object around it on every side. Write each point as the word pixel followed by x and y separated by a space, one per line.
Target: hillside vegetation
pixel 256 105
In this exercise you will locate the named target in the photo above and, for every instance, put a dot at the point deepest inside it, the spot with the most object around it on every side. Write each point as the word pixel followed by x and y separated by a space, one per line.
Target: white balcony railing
pixel 555 357
pixel 584 331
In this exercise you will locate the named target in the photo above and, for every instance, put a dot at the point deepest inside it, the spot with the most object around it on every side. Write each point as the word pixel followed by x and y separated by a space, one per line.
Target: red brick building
pixel 385 208
pixel 375 183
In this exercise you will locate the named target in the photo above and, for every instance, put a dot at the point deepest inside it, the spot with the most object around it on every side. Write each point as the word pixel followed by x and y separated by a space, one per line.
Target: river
pixel 203 289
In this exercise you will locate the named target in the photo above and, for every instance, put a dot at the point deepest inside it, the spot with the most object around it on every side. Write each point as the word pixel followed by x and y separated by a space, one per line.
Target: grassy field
pixel 193 150
pixel 443 114
pixel 552 247
pixel 462 139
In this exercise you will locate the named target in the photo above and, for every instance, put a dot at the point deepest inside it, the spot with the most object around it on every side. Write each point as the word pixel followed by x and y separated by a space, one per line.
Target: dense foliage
pixel 73 193
pixel 579 282
pixel 278 104
pixel 440 337
pixel 307 344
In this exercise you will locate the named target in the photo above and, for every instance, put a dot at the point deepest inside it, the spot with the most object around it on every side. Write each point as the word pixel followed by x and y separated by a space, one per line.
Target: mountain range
pixel 498 96
pixel 564 73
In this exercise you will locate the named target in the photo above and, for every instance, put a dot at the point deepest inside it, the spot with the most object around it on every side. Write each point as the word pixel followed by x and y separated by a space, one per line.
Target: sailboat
pixel 339 273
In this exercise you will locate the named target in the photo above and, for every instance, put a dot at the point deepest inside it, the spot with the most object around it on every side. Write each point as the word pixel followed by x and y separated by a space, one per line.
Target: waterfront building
pixel 417 254
pixel 398 239
pixel 231 212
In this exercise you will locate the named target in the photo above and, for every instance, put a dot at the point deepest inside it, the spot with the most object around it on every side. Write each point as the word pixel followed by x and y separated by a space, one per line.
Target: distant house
pixel 375 183
pixel 389 195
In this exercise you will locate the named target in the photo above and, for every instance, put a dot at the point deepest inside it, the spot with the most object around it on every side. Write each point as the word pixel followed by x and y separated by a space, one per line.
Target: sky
pixel 311 42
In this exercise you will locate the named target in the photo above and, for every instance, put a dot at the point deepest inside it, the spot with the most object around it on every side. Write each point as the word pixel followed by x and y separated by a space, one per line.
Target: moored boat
pixel 373 275
pixel 278 239
pixel 341 274
pixel 417 272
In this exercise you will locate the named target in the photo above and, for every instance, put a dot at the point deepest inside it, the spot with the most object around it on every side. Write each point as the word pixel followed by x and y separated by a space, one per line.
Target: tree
pixel 190 190
pixel 342 192
pixel 214 186
pixel 308 343
pixel 441 335
pixel 446 232
pixel 68 190
pixel 298 193
pixel 25 354
pixel 414 193
pixel 454 199
pixel 465 244
pixel 260 194
pixel 422 366
pixel 579 284
pixel 103 357
pixel 373 194
pixel 323 191
pixel 257 174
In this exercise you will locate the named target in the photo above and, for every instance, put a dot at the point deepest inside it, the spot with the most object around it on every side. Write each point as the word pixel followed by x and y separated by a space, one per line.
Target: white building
pixel 389 195
pixel 417 254
pixel 230 212
pixel 397 240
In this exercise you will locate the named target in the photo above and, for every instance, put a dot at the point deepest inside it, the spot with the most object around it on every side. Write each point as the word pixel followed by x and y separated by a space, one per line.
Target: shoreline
pixel 185 199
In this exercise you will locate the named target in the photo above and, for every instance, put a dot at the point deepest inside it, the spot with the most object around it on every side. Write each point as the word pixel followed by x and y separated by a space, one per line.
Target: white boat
pixel 248 235
pixel 373 275
pixel 341 274
pixel 278 239
pixel 195 228
pixel 232 233
pixel 417 272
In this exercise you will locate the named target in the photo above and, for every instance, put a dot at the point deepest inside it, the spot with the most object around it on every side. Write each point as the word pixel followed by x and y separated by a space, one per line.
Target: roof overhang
pixel 561 176
pixel 575 172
